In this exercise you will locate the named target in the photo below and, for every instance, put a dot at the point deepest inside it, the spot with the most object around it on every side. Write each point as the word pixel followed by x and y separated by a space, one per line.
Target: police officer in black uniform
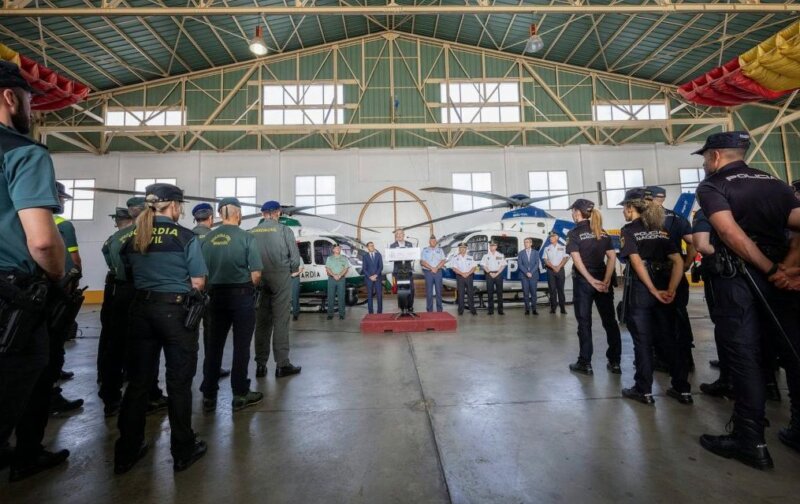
pixel 750 212
pixel 166 265
pixel 653 273
pixel 32 253
pixel 594 258
pixel 679 230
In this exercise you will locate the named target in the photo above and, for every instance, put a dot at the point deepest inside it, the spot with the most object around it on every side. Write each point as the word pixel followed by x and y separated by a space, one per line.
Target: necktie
pixel 372 255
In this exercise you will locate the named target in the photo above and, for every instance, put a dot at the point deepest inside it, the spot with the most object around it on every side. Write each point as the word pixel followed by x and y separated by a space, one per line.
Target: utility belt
pixel 23 300
pixel 231 289
pixel 195 303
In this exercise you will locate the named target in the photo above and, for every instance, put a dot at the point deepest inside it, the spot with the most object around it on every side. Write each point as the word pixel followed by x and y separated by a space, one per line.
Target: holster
pixel 67 300
pixel 22 302
pixel 196 304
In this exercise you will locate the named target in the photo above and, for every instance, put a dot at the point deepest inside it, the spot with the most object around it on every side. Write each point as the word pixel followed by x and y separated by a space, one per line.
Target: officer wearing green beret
pixel 234 270
pixel 280 257
pixel 166 265
pixel 135 206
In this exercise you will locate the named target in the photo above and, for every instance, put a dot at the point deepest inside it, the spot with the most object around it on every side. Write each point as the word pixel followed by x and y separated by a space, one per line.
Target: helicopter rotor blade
pixel 335 220
pixel 289 210
pixel 141 193
pixel 464 192
pixel 459 214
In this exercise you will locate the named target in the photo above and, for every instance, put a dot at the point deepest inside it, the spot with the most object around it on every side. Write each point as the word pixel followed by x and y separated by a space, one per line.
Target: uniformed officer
pixel 750 212
pixel 654 271
pixel 594 258
pixel 432 262
pixel 336 265
pixel 555 258
pixel 31 248
pixel 701 238
pixel 58 403
pixel 680 231
pixel 135 206
pixel 529 264
pixel 372 269
pixel 167 266
pixel 203 215
pixel 234 271
pixel 122 218
pixel 280 257
pixel 464 267
pixel 400 242
pixel 494 265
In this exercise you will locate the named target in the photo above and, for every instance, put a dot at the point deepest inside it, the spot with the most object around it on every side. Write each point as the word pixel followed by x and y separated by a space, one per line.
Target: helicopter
pixel 522 220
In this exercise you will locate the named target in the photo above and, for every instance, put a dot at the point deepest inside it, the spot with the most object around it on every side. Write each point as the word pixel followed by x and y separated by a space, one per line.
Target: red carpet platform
pixel 386 322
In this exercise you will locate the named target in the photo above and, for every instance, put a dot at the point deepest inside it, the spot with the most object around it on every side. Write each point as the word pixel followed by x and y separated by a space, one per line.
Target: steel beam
pixel 393 9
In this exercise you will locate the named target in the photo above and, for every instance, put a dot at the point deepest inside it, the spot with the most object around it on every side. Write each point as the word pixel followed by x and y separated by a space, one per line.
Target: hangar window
pixel 140 184
pixel 629 111
pixel 243 188
pixel 304 104
pixel 619 181
pixel 690 178
pixel 317 191
pixel 480 102
pixel 81 206
pixel 471 182
pixel 549 183
pixel 305 251
pixel 144 117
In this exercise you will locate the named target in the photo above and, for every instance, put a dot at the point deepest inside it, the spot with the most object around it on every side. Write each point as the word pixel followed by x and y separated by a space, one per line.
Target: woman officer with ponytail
pixel 165 262
pixel 594 258
pixel 654 271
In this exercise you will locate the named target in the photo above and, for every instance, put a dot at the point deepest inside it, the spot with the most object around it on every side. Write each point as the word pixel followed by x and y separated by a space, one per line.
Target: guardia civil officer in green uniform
pixel 234 271
pixel 336 265
pixel 203 214
pixel 135 206
pixel 166 265
pixel 58 403
pixel 122 218
pixel 280 257
pixel 31 252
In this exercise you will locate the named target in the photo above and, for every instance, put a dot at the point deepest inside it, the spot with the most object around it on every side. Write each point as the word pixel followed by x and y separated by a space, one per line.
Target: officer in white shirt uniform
pixel 432 262
pixel 494 265
pixel 555 258
pixel 464 267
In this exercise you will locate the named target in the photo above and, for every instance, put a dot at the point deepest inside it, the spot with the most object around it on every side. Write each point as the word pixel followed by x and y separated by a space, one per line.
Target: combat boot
pixel 745 443
pixel 790 436
pixel 718 388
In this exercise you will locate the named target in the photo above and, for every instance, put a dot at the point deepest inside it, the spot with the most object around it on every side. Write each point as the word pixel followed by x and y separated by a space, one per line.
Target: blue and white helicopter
pixel 522 220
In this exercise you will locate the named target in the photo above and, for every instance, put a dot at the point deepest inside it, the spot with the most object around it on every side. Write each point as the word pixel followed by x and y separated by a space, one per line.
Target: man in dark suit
pixel 528 265
pixel 372 269
pixel 400 242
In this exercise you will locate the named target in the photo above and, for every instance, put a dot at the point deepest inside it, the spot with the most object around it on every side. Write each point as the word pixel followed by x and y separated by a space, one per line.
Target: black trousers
pixel 154 325
pixel 555 284
pixel 583 297
pixel 20 374
pixel 743 327
pixel 494 287
pixel 466 292
pixel 105 323
pixel 229 307
pixel 649 321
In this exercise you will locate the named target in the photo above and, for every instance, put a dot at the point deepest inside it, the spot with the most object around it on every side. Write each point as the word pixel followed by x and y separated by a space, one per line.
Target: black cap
pixel 165 192
pixel 796 185
pixel 121 213
pixel 584 205
pixel 11 77
pixel 62 191
pixel 636 194
pixel 202 211
pixel 657 191
pixel 727 140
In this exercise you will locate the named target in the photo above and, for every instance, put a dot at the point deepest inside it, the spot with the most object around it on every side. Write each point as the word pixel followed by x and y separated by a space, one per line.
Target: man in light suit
pixel 528 265
pixel 400 242
pixel 372 269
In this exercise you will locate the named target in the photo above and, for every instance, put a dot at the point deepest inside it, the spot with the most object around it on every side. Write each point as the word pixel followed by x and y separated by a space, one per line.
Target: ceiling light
pixel 535 42
pixel 257 44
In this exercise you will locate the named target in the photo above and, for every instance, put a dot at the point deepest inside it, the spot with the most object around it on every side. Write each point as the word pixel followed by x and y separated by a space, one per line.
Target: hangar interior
pixel 372 101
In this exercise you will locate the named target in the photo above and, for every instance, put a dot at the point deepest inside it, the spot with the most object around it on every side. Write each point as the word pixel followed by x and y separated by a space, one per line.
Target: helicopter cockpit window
pixel 477 246
pixel 322 249
pixel 450 242
pixel 305 252
pixel 507 245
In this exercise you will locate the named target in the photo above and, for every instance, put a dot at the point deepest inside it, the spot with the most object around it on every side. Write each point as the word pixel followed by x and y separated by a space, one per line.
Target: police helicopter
pixel 315 245
pixel 522 220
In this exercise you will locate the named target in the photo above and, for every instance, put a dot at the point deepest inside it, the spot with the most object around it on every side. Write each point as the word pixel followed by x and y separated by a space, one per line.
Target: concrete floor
pixel 486 414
